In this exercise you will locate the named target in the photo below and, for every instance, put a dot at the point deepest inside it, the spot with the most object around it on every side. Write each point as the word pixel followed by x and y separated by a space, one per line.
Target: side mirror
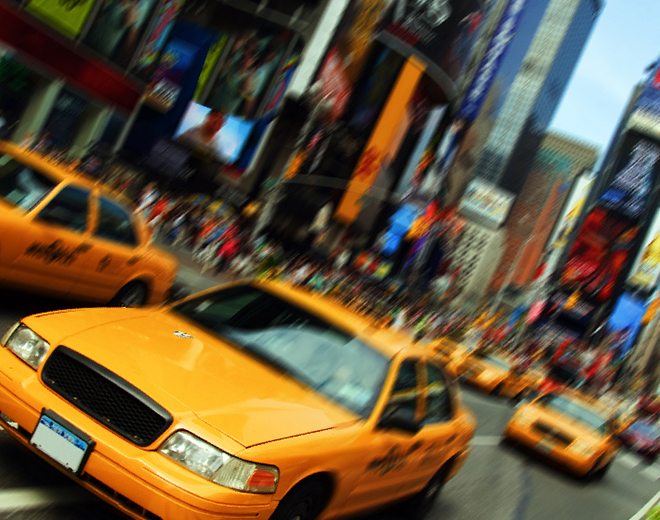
pixel 401 419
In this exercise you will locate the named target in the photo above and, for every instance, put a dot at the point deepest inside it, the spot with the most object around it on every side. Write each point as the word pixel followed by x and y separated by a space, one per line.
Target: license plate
pixel 545 446
pixel 62 441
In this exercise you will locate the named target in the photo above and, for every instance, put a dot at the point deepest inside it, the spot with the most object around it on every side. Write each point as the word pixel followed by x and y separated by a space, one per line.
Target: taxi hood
pixel 187 370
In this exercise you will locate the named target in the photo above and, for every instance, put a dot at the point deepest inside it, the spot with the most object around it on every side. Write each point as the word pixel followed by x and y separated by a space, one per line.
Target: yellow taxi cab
pixel 446 349
pixel 493 373
pixel 249 400
pixel 65 235
pixel 567 429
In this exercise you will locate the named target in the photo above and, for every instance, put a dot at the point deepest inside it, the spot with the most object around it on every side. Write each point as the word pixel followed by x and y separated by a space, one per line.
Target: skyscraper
pixel 530 102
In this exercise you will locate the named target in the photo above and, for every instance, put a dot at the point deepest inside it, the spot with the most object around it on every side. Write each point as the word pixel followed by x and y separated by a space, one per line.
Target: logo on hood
pixel 182 334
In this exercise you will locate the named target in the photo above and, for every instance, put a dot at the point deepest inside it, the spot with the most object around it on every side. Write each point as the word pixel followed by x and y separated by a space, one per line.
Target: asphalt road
pixel 496 483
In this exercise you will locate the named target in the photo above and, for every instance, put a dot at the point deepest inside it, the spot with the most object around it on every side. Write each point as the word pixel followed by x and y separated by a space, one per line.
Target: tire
pixel 304 502
pixel 419 506
pixel 497 389
pixel 133 294
pixel 595 475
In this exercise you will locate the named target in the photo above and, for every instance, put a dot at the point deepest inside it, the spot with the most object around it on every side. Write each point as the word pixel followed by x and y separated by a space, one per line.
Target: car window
pixel 405 392
pixel 115 223
pixel 438 397
pixel 294 341
pixel 22 186
pixel 574 411
pixel 67 209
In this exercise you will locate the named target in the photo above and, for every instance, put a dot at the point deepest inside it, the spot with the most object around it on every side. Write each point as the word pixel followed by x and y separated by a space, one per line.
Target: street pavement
pixel 497 482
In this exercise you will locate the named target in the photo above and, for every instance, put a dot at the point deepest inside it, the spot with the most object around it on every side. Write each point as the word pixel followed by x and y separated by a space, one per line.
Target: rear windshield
pixel 574 411
pixel 22 186
pixel 291 340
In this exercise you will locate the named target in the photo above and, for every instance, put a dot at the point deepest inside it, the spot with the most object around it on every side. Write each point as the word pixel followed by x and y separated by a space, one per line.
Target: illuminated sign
pixel 486 201
pixel 646 269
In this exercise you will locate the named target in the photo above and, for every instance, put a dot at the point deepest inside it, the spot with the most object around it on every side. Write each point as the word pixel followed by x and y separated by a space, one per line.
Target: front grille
pixel 554 433
pixel 105 396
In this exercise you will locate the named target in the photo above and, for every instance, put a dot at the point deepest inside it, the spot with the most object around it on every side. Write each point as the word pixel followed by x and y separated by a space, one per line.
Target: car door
pixel 392 453
pixel 115 254
pixel 439 431
pixel 55 242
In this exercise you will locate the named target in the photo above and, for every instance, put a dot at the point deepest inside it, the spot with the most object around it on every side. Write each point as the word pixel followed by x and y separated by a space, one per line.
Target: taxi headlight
pixel 217 466
pixel 583 448
pixel 27 345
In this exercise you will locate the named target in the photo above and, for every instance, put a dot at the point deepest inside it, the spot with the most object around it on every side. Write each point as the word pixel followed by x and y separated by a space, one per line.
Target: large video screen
pixel 213 133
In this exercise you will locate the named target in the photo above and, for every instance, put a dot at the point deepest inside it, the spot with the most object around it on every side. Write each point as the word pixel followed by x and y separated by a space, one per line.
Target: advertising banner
pixel 380 140
pixel 164 89
pixel 251 64
pixel 646 269
pixel 572 211
pixel 162 27
pixel 212 133
pixel 624 324
pixel 209 64
pixel 440 32
pixel 281 83
pixel 118 28
pixel 343 64
pixel 636 167
pixel 488 203
pixel 68 16
pixel 646 115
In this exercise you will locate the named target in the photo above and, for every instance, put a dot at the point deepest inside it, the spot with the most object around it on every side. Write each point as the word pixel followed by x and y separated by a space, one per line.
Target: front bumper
pixel 140 482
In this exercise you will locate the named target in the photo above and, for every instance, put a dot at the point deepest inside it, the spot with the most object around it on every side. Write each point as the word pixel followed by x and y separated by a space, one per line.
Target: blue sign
pixel 491 61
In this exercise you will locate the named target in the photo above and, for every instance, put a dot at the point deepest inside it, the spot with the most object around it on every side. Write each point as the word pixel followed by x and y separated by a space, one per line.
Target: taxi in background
pixel 253 399
pixel 569 430
pixel 493 373
pixel 65 235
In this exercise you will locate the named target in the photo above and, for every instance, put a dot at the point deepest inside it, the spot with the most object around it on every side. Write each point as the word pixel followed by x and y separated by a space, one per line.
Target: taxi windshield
pixel 22 186
pixel 494 360
pixel 574 411
pixel 291 340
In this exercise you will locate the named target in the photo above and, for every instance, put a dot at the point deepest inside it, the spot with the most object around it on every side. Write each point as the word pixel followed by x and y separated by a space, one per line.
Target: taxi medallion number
pixel 62 442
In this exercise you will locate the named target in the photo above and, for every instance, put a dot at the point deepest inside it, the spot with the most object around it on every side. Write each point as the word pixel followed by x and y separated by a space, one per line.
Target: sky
pixel 624 41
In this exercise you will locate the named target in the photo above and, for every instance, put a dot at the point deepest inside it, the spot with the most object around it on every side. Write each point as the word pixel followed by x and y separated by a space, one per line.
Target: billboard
pixel 245 76
pixel 118 28
pixel 624 324
pixel 348 52
pixel 636 168
pixel 646 269
pixel 162 26
pixel 68 16
pixel 486 202
pixel 210 62
pixel 572 211
pixel 646 115
pixel 441 32
pixel 212 133
pixel 165 86
pixel 599 254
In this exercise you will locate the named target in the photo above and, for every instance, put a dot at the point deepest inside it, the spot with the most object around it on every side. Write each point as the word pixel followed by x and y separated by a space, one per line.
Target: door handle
pixel 133 260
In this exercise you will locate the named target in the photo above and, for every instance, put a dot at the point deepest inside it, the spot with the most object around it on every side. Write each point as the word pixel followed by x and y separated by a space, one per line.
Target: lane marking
pixel 486 440
pixel 646 508
pixel 652 472
pixel 628 459
pixel 31 498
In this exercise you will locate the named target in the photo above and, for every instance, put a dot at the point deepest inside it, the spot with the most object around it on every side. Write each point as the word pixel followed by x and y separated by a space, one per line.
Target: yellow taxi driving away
pixel 251 400
pixel 563 427
pixel 492 373
pixel 65 235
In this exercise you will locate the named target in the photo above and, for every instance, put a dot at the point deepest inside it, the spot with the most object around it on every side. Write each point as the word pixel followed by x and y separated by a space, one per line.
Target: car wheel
pixel 303 502
pixel 417 507
pixel 598 474
pixel 133 294
pixel 497 389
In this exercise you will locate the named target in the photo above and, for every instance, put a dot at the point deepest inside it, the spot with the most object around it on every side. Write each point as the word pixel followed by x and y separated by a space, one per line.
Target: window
pixel 22 186
pixel 438 399
pixel 291 340
pixel 115 223
pixel 405 391
pixel 67 209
